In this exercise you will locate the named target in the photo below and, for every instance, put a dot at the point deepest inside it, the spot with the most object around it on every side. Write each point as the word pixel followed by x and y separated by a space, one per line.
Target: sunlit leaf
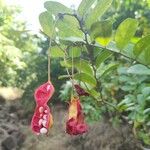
pixel 84 6
pixel 100 7
pixel 85 78
pixel 55 8
pixel 46 22
pixel 56 52
pixel 66 26
pixel 125 32
pixel 142 45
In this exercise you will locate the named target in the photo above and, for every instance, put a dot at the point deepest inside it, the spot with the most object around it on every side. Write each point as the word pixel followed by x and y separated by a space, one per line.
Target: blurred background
pixel 23 67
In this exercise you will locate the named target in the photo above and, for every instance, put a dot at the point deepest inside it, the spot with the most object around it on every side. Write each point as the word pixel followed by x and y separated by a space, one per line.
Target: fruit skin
pixel 80 91
pixel 43 93
pixel 75 124
pixel 42 111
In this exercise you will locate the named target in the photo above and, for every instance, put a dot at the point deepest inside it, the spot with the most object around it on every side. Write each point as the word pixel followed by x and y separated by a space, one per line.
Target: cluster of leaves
pixel 137 84
pixel 16 46
pixel 88 46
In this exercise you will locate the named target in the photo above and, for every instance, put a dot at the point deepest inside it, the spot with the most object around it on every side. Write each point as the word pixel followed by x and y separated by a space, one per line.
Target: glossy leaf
pixel 142 45
pixel 108 69
pixel 100 7
pixel 125 32
pixel 102 57
pixel 55 8
pixel 84 6
pixel 66 25
pixel 85 78
pixel 147 55
pixel 84 66
pixel 46 22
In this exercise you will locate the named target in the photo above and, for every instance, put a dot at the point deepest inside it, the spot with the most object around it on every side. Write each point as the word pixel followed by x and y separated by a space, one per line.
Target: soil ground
pixel 15 133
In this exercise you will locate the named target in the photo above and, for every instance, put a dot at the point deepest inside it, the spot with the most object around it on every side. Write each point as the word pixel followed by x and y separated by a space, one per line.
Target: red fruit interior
pixel 42 118
pixel 75 124
pixel 43 93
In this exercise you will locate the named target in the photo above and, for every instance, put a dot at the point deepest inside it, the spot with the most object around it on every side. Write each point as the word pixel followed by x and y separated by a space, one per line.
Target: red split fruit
pixel 76 124
pixel 42 119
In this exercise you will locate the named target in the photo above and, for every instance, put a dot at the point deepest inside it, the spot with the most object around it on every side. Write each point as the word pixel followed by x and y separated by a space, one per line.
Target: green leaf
pixel 55 8
pixel 139 70
pixel 56 52
pixel 146 91
pixel 75 52
pixel 128 51
pixel 142 49
pixel 65 64
pixel 85 78
pixel 125 32
pixel 100 7
pixel 67 25
pixel 102 57
pixel 80 64
pixel 147 55
pixel 84 66
pixel 108 69
pixel 101 32
pixel 147 111
pixel 84 6
pixel 141 45
pixel 94 93
pixel 46 22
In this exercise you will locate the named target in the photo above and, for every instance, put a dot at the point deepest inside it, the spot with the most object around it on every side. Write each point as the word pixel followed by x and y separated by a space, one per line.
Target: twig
pixel 49 55
pixel 65 52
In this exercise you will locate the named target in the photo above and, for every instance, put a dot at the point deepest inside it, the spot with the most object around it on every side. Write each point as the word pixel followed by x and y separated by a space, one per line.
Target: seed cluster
pixel 42 118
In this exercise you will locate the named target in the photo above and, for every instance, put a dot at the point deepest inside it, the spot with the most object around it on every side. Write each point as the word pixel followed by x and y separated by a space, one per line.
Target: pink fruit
pixel 42 95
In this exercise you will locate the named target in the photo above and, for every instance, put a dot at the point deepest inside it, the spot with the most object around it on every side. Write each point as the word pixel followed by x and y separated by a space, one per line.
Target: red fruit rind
pixel 75 124
pixel 42 119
